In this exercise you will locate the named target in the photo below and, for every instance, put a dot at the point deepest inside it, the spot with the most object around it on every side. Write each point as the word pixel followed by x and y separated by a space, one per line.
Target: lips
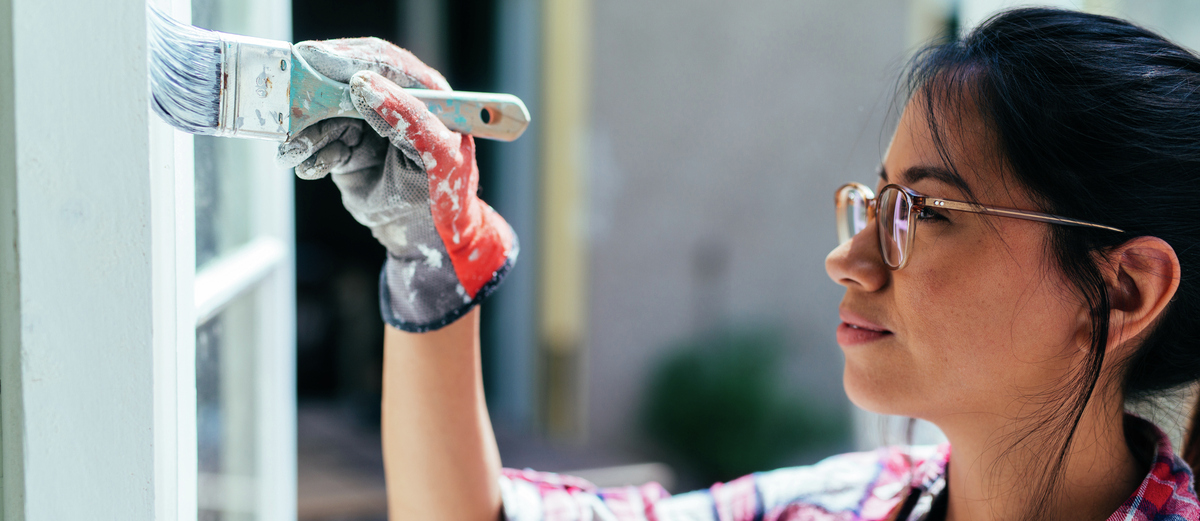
pixel 856 329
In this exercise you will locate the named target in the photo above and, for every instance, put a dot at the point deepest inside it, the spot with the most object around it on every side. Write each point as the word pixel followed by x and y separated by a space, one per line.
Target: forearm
pixel 439 450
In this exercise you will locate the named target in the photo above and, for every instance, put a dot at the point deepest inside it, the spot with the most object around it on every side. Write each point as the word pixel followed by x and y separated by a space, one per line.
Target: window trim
pixel 11 466
pixel 231 275
pixel 264 264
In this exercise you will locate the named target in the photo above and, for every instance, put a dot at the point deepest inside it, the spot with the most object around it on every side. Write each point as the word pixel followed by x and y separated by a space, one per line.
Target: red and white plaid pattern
pixel 863 486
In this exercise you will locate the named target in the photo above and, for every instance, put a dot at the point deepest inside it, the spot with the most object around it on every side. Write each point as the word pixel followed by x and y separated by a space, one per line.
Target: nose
pixel 858 264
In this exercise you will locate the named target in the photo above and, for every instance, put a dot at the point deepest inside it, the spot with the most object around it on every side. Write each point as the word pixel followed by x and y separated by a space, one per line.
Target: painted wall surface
pixel 83 221
pixel 722 129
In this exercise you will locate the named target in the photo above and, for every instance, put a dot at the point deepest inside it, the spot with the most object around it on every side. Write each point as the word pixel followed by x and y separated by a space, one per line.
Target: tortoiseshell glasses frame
pixel 857 205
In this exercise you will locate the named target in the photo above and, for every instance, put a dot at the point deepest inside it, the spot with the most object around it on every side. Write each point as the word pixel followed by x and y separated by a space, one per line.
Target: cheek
pixel 987 328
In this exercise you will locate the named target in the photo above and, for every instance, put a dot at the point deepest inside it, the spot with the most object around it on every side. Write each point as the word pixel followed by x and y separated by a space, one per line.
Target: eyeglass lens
pixel 893 226
pixel 852 213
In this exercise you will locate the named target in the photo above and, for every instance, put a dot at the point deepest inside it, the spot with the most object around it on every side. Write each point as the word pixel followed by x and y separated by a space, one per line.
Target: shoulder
pixel 1171 484
pixel 1168 491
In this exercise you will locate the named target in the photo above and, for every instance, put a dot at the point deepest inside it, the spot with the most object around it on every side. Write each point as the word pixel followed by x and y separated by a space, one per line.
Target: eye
pixel 928 214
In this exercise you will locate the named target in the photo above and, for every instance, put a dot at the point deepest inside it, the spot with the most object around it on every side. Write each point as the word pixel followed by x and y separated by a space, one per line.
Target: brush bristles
pixel 185 73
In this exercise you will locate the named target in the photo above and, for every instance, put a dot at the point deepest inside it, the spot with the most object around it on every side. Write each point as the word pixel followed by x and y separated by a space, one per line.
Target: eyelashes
pixel 929 214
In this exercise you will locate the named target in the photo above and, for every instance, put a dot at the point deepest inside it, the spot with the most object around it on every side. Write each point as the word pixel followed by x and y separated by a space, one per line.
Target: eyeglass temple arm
pixel 1011 212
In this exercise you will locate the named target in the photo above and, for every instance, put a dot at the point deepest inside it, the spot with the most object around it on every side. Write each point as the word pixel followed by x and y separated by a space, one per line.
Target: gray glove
pixel 410 180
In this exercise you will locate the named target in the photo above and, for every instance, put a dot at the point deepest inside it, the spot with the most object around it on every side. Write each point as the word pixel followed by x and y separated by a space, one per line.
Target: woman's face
pixel 980 318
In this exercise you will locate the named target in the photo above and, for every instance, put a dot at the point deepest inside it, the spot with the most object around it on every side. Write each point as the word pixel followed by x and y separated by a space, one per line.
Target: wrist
pixel 417 294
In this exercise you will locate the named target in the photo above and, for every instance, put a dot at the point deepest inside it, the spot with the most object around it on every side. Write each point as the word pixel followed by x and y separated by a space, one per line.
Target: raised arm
pixel 438 447
pixel 414 183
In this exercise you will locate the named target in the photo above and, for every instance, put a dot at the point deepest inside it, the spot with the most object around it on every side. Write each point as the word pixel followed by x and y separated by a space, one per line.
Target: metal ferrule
pixel 255 85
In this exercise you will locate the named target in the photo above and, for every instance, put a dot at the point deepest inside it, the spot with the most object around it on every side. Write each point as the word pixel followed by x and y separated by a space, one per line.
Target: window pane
pixel 245 403
pixel 223 187
pixel 225 413
pixel 226 168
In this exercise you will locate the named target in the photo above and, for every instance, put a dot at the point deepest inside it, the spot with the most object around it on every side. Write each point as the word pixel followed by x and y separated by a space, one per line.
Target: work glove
pixel 410 180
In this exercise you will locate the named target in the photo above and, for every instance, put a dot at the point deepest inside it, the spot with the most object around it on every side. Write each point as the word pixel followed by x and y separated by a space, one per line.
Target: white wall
pixel 82 172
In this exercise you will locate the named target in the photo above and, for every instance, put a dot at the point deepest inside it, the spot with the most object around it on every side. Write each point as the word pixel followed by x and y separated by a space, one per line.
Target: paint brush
pixel 209 82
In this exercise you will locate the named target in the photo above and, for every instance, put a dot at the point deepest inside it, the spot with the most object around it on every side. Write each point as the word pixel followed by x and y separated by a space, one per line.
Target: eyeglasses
pixel 895 210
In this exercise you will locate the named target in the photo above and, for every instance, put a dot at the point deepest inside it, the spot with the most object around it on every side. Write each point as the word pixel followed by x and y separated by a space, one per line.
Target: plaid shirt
pixel 863 486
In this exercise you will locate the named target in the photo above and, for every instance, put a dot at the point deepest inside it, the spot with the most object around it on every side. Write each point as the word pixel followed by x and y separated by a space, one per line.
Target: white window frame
pixel 99 297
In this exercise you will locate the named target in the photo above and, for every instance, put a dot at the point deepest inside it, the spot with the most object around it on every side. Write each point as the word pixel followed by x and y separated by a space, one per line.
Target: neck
pixel 991 479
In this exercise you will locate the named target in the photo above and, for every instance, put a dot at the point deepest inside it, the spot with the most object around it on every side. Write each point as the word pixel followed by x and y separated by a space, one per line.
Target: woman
pixel 1026 268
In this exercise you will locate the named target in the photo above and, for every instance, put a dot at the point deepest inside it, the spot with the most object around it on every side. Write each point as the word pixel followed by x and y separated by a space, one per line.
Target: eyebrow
pixel 917 173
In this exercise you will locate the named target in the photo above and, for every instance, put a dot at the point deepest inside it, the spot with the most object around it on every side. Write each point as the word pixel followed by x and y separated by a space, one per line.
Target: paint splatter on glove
pixel 410 180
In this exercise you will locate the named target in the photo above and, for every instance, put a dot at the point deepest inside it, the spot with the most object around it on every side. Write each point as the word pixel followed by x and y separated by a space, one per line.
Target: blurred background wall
pixel 673 199
pixel 718 132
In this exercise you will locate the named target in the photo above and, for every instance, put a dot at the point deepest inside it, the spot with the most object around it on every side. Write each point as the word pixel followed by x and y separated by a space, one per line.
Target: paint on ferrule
pixel 254 88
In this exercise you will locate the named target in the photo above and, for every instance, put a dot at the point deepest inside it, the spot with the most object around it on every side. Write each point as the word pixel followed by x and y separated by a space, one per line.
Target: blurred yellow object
pixel 562 266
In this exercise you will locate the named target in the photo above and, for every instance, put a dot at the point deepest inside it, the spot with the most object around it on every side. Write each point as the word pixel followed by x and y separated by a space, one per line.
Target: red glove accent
pixel 477 239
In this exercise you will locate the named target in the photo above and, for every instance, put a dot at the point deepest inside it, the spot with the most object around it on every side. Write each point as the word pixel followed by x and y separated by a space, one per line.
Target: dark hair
pixel 1097 119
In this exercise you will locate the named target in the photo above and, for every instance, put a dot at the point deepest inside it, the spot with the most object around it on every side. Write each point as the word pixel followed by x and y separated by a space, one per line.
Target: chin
pixel 876 391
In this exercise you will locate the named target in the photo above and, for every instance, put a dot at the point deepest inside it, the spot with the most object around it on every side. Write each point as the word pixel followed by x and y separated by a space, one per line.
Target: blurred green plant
pixel 719 406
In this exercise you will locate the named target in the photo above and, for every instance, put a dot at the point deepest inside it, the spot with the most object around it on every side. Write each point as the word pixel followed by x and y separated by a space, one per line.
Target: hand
pixel 410 180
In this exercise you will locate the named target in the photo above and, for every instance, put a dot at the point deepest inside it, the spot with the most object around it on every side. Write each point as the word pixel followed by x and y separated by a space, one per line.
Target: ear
pixel 1142 277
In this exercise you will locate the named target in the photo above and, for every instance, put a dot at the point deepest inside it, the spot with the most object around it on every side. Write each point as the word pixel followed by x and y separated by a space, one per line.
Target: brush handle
pixel 481 114
pixel 315 97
